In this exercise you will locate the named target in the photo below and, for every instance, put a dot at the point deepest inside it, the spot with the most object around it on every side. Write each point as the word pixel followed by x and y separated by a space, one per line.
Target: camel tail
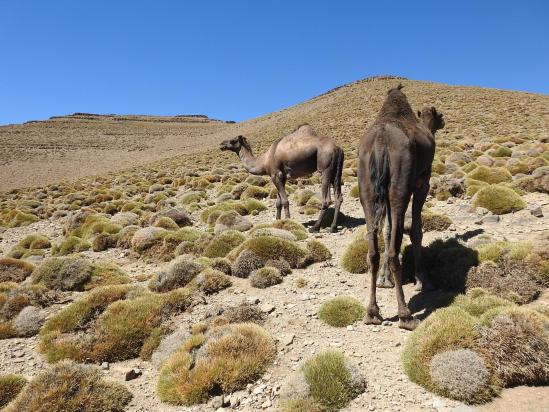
pixel 380 176
pixel 339 159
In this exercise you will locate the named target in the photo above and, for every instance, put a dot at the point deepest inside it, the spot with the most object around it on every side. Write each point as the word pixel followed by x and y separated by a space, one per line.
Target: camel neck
pixel 253 165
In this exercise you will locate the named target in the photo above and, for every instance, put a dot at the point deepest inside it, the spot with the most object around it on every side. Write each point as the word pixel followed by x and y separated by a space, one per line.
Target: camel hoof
pixel 408 324
pixel 332 230
pixel 373 320
pixel 385 283
pixel 314 229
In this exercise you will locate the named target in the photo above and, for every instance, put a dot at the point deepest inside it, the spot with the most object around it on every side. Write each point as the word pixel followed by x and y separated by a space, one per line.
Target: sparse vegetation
pixel 326 382
pixel 66 387
pixel 10 386
pixel 468 350
pixel 119 324
pixel 225 358
pixel 341 311
pixel 264 277
pixel 498 199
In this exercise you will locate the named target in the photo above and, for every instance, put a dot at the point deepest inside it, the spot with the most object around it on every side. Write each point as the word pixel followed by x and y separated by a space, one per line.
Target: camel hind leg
pixel 372 310
pixel 336 183
pixel 406 320
pixel 325 200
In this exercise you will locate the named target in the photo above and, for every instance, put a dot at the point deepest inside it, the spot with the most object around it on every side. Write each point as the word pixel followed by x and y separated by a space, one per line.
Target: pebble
pixel 266 308
pixel 287 340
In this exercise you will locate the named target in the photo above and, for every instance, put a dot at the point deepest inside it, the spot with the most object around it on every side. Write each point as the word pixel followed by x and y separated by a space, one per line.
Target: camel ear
pixel 418 113
pixel 240 138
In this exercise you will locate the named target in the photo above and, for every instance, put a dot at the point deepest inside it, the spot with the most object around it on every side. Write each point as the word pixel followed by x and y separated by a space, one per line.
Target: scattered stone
pixel 287 340
pixel 535 210
pixel 105 365
pixel 133 374
pixel 266 308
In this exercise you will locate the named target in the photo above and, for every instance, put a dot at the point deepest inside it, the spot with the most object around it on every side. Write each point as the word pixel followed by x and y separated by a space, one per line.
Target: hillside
pixel 146 264
pixel 49 151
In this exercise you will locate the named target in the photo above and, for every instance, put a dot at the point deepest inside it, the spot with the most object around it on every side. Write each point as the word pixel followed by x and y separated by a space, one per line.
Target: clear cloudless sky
pixel 235 60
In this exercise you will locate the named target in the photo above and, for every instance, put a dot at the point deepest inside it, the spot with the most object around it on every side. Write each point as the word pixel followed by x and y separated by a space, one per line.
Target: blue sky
pixel 239 59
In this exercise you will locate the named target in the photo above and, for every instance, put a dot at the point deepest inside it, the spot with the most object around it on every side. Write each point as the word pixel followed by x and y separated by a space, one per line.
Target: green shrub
pixel 180 273
pixel 225 359
pixel 451 328
pixel 265 277
pixel 35 242
pixel 254 192
pixel 14 270
pixel 117 324
pixel 69 387
pixel 333 382
pixel 63 273
pixel 433 221
pixel 223 243
pixel 341 311
pixel 211 281
pixel 10 386
pixel 498 200
pixel 70 245
pixel 193 197
pixel 270 247
pixel 296 228
pixel 355 256
pixel 491 175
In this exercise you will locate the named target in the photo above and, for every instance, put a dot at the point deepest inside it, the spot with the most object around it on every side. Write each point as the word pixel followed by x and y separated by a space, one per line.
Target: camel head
pixel 432 119
pixel 235 144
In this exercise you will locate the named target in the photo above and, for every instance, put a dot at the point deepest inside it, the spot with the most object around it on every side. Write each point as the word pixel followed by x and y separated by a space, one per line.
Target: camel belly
pixel 300 169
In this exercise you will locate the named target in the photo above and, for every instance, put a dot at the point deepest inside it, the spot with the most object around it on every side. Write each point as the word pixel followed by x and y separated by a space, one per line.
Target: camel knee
pixel 393 262
pixel 373 258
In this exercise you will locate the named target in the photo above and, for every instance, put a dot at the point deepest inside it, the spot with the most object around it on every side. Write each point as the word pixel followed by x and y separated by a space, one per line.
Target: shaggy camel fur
pixel 297 155
pixel 394 163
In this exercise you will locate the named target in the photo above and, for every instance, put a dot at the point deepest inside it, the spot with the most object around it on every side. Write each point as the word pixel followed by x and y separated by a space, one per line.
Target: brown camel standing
pixel 297 155
pixel 394 163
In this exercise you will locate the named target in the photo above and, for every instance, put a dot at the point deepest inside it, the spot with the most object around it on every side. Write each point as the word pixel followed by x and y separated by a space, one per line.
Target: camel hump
pixel 302 125
pixel 396 107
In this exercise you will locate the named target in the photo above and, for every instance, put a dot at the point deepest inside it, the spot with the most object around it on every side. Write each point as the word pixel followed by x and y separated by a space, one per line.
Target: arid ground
pixel 127 170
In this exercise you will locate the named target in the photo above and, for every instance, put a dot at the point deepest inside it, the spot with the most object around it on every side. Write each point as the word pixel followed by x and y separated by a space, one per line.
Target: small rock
pixel 266 308
pixel 252 300
pixel 266 404
pixel 217 402
pixel 287 340
pixel 535 210
pixel 105 365
pixel 438 403
pixel 133 374
pixel 350 327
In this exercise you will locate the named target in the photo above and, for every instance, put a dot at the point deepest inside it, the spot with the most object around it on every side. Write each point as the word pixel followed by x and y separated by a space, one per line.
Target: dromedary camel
pixel 299 154
pixel 394 162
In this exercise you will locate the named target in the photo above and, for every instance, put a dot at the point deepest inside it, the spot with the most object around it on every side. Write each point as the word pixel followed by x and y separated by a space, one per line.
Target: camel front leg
pixel 279 181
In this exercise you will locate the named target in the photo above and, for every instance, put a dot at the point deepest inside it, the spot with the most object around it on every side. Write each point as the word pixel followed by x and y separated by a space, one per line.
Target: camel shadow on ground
pixel 447 264
pixel 348 222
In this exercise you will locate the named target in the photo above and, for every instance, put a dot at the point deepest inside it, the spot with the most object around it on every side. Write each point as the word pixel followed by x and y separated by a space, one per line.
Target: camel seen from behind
pixel 394 162
pixel 298 154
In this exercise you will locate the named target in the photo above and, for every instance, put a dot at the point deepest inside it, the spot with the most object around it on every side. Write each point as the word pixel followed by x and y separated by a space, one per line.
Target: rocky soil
pixel 292 317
